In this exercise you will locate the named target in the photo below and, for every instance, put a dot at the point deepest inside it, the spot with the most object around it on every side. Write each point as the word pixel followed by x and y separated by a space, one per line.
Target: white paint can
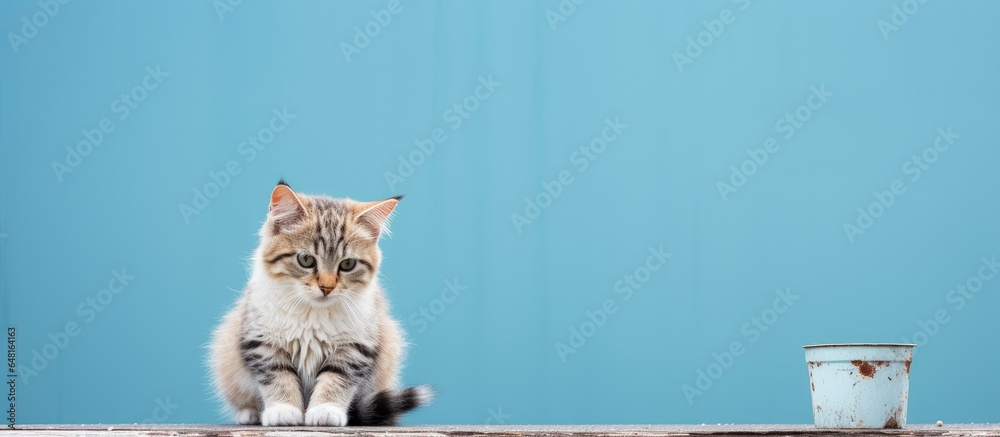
pixel 859 385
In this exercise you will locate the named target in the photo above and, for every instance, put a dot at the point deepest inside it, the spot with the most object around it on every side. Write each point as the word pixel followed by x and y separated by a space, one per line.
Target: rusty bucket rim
pixel 813 346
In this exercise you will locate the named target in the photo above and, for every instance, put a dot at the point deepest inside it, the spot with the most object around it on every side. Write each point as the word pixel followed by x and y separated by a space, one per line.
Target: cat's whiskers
pixel 280 308
pixel 351 309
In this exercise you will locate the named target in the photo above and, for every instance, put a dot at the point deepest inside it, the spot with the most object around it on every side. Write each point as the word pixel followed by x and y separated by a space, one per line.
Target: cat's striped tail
pixel 385 407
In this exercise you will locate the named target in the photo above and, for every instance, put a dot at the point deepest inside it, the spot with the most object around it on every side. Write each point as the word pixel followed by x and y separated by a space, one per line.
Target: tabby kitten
pixel 311 341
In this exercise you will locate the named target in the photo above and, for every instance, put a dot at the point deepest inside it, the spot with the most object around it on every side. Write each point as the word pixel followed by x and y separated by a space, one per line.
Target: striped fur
pixel 314 343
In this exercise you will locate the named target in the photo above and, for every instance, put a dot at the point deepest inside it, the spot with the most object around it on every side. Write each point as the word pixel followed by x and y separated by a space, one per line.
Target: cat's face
pixel 321 249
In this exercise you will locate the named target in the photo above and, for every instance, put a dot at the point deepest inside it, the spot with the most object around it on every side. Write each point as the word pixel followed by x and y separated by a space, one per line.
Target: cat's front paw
pixel 326 415
pixel 248 416
pixel 281 415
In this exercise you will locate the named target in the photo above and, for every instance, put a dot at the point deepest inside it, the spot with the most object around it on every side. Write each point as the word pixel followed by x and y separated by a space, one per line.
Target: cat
pixel 311 340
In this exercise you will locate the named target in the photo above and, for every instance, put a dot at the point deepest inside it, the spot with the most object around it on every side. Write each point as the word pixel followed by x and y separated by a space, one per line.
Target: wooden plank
pixel 473 430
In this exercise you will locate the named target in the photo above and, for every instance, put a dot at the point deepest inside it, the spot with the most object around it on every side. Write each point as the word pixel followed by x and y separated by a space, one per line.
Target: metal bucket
pixel 859 385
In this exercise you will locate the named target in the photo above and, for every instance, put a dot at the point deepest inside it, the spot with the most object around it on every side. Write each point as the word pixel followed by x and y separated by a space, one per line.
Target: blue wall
pixel 642 119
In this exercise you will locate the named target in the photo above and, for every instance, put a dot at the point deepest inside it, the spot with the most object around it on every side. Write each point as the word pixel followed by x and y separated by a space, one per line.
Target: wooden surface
pixel 474 430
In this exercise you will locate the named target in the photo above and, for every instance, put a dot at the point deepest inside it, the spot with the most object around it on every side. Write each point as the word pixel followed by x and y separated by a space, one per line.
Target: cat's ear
pixel 376 215
pixel 286 208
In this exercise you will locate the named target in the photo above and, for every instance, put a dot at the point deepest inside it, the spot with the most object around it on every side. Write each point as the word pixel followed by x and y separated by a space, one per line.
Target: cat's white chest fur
pixel 310 334
pixel 310 337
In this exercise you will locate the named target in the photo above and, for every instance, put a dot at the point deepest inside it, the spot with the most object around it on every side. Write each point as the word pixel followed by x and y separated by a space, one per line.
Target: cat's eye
pixel 306 260
pixel 348 264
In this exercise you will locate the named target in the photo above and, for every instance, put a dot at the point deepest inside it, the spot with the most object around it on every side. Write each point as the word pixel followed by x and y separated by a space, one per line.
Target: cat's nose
pixel 326 282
